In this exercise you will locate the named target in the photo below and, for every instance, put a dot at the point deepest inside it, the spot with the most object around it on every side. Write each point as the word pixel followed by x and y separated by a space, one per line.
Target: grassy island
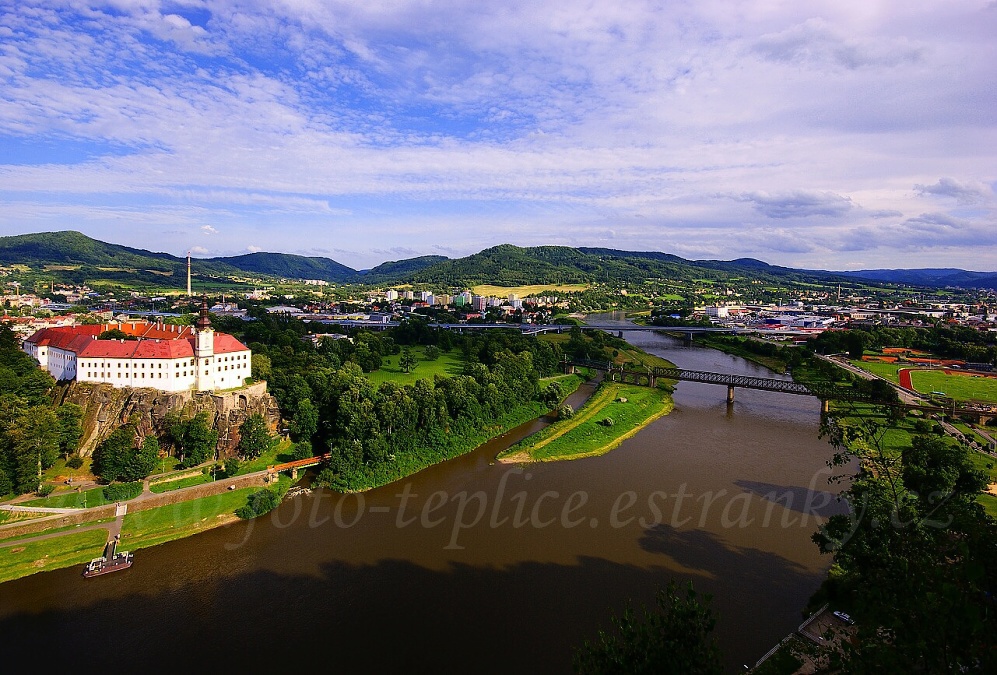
pixel 613 414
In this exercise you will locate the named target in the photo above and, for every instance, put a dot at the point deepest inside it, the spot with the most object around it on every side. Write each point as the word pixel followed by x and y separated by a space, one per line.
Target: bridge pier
pixel 730 393
pixel 687 341
pixel 294 474
pixel 825 406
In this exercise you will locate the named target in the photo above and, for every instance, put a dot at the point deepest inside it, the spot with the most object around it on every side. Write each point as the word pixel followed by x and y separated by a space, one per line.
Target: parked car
pixel 844 617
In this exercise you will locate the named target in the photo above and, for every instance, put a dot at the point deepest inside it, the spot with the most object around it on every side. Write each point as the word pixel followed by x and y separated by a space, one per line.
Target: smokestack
pixel 188 274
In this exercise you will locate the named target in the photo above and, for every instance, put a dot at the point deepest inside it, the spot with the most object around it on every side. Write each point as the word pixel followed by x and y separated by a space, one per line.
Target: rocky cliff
pixel 106 408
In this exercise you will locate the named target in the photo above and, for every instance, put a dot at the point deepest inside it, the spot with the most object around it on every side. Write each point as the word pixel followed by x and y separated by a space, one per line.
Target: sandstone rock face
pixel 106 408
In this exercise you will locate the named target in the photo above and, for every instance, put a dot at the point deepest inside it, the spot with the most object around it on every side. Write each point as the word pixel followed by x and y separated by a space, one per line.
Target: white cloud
pixel 964 193
pixel 779 130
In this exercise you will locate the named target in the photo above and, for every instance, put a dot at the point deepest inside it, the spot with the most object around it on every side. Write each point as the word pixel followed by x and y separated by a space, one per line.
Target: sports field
pixel 959 386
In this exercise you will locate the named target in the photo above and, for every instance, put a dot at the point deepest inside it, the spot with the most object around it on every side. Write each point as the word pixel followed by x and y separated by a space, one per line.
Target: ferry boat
pixel 111 561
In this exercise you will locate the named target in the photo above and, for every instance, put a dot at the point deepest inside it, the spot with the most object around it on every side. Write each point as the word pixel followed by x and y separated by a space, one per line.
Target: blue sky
pixel 834 135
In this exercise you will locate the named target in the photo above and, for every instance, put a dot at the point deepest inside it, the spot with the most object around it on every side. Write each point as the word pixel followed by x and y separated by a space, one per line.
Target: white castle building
pixel 156 355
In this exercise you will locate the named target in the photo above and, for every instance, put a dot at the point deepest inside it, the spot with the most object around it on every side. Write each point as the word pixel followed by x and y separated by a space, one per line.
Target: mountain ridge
pixel 503 265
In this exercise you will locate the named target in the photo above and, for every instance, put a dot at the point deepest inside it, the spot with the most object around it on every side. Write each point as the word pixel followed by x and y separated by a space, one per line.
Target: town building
pixel 156 355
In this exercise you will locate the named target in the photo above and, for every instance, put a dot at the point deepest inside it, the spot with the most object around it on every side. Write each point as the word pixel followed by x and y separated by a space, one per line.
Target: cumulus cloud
pixel 254 249
pixel 964 193
pixel 199 250
pixel 208 229
pixel 799 204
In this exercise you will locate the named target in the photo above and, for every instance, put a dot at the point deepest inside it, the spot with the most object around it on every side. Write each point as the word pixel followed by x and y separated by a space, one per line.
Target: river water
pixel 473 566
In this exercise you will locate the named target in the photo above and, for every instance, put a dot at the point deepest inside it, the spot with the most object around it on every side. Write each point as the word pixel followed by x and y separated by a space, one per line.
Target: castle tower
pixel 204 351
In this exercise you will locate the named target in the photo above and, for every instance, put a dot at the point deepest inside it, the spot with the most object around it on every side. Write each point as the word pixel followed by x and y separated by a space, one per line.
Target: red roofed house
pixel 165 357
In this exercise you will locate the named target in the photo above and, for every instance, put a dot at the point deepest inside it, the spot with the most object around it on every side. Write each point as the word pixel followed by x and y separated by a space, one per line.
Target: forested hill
pixel 291 266
pixel 75 257
pixel 511 265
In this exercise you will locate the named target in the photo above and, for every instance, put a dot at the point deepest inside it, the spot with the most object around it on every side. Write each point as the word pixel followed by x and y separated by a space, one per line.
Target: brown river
pixel 472 566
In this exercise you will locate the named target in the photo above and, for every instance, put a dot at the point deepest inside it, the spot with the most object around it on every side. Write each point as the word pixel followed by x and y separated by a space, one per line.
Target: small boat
pixel 111 561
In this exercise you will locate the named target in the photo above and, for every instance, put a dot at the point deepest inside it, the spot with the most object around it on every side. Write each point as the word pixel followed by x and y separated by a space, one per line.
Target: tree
pixel 304 423
pixel 254 437
pixel 70 418
pixel 143 460
pixel 432 353
pixel 259 503
pixel 674 638
pixel 916 558
pixel 261 369
pixel 302 450
pixel 407 360
pixel 194 439
pixel 552 394
pixel 112 456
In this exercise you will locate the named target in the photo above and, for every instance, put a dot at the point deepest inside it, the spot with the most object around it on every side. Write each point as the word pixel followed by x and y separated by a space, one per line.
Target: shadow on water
pixel 346 615
pixel 819 503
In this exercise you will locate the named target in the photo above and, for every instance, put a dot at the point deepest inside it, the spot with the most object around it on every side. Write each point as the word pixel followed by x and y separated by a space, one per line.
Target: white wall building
pixel 164 357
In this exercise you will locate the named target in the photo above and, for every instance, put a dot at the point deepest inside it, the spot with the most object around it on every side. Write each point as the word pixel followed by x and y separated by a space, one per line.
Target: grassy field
pixel 167 486
pixel 71 499
pixel 583 436
pixel 449 363
pixel 524 291
pixel 885 370
pixel 959 387
pixel 142 529
pixel 71 549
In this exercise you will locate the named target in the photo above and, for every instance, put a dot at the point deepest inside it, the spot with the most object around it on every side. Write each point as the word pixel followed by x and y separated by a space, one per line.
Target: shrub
pixel 606 421
pixel 75 461
pixel 565 411
pixel 120 492
pixel 45 490
pixel 258 504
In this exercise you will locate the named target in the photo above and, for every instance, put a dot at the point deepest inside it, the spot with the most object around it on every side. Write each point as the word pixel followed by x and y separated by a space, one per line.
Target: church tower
pixel 204 351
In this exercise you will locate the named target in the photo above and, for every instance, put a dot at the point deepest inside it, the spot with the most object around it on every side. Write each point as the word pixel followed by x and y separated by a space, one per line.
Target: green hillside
pixel 291 266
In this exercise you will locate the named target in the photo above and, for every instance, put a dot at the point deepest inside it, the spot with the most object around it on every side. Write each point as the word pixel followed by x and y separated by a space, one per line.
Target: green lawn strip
pixel 142 529
pixel 985 463
pixel 17 516
pixel 959 387
pixel 48 554
pixel 569 383
pixel 189 481
pixel 643 358
pixel 64 528
pixel 280 454
pixel 583 435
pixel 989 503
pixel 449 363
pixel 885 370
pixel 71 500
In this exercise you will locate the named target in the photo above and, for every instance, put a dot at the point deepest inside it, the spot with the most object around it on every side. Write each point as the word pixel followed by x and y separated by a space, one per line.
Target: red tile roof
pixel 226 344
pixel 155 341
